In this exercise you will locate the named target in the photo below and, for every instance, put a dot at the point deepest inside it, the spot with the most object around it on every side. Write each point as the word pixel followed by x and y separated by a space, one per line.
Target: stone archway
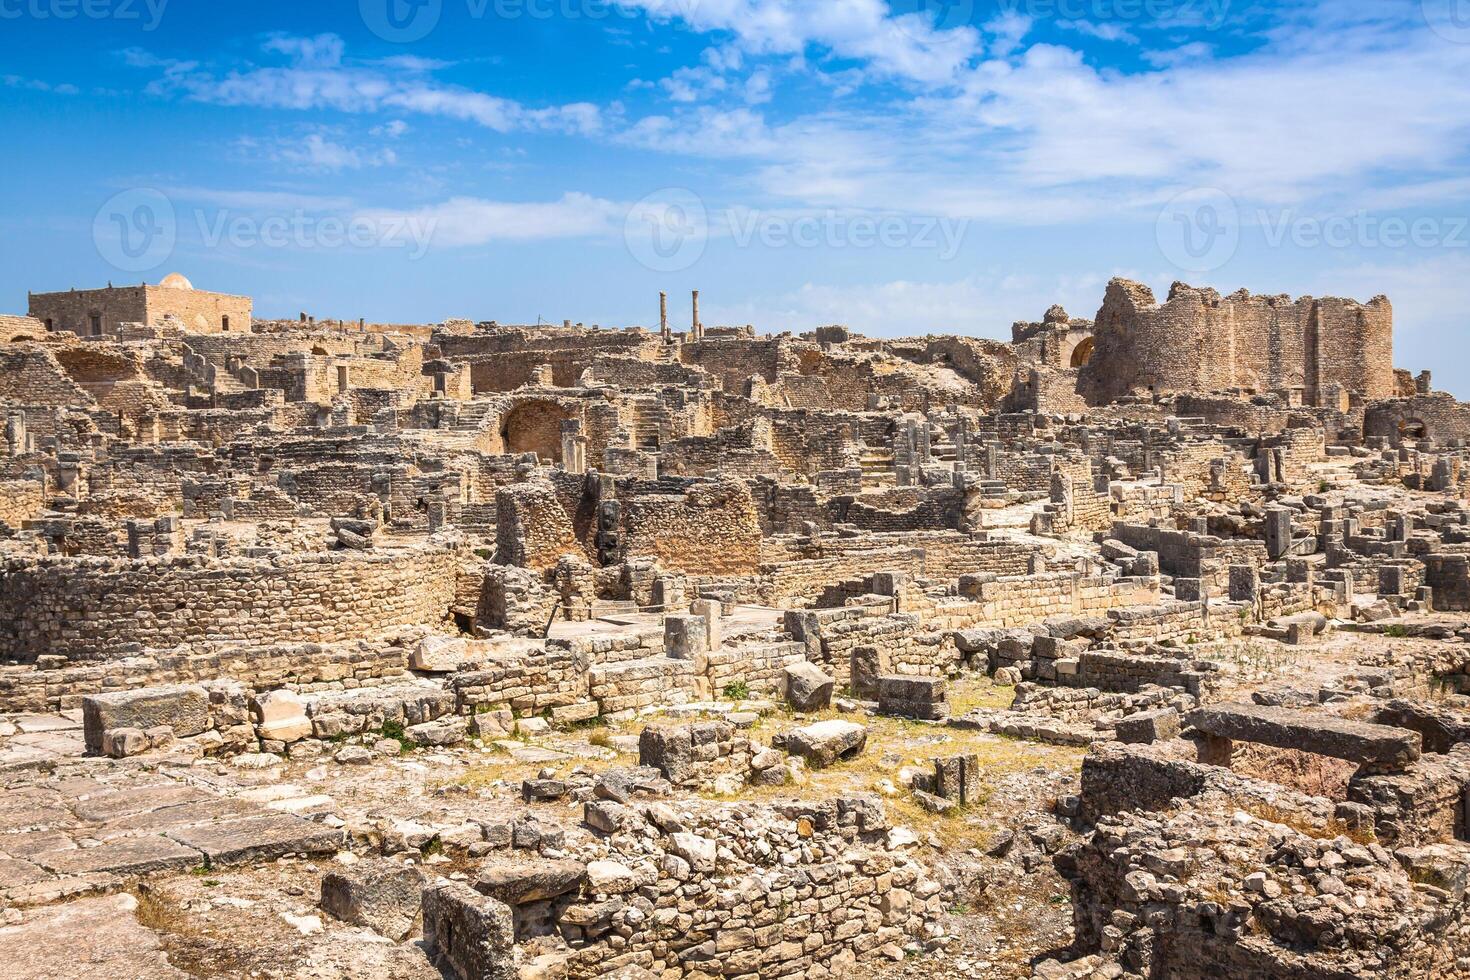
pixel 1082 353
pixel 534 427
pixel 1413 430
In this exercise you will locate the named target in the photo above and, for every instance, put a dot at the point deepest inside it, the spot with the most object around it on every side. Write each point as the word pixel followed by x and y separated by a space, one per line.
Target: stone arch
pixel 1082 353
pixel 1413 430
pixel 534 427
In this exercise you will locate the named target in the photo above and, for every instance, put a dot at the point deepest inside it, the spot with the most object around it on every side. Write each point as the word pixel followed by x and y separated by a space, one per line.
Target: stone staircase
pixel 472 416
pixel 877 465
pixel 646 423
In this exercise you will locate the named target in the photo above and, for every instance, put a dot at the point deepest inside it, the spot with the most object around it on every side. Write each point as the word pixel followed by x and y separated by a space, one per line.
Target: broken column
pixel 687 638
pixel 1278 532
pixel 573 447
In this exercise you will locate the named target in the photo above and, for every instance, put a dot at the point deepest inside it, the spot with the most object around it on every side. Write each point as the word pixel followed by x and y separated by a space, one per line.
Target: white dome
pixel 175 281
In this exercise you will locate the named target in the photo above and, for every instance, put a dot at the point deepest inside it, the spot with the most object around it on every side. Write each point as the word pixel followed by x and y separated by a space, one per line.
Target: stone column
pixel 1278 532
pixel 696 330
pixel 710 611
pixel 573 447
pixel 15 434
pixel 663 316
pixel 687 638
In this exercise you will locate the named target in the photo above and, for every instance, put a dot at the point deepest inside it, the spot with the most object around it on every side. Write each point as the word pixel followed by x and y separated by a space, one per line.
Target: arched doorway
pixel 534 427
pixel 1082 353
pixel 1413 430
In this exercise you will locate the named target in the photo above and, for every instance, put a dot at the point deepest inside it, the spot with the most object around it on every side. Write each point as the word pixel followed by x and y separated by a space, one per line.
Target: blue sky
pixel 919 166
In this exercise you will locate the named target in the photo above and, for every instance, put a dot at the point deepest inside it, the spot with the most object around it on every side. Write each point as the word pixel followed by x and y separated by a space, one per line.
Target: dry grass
pixel 189 947
pixel 969 693
pixel 894 743
pixel 1303 824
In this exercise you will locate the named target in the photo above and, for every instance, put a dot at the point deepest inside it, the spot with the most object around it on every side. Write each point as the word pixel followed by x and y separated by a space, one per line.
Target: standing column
pixel 696 328
pixel 663 316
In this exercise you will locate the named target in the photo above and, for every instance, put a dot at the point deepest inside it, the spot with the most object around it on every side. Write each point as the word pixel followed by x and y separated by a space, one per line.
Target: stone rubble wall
pixel 87 608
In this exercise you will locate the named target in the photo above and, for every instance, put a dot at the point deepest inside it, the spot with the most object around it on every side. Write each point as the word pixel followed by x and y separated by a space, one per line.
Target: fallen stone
pixel 184 709
pixel 825 742
pixel 807 687
pixel 518 882
pixel 119 743
pixel 1148 726
pixel 466 934
pixel 380 895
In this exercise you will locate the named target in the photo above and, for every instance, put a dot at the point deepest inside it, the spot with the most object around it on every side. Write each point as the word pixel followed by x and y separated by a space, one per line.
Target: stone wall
pixel 94 609
pixel 1198 341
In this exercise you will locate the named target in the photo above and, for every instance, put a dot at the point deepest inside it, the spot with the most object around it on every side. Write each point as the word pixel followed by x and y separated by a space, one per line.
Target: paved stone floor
pixel 70 825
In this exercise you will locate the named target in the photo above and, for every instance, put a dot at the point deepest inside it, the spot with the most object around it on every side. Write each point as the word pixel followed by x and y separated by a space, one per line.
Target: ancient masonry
pixel 1135 647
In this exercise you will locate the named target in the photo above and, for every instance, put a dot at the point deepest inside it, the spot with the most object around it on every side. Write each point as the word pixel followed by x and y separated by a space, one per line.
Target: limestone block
pixel 380 895
pixel 280 716
pixel 439 655
pixel 1149 726
pixel 468 935
pixel 185 709
pixel 826 742
pixel 807 687
pixel 119 743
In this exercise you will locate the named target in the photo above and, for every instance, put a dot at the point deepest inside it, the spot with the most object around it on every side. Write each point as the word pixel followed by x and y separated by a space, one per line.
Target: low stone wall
pixel 805 890
pixel 98 609
pixel 304 667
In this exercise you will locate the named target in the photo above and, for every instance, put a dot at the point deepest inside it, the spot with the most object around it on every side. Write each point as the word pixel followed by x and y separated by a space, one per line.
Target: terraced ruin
pixel 1136 647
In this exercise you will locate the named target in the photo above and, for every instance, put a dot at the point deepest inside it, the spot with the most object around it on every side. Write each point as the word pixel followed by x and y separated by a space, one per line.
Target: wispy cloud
pixel 319 77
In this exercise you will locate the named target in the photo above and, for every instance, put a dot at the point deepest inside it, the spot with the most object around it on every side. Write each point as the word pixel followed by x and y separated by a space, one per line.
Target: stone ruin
pixel 491 651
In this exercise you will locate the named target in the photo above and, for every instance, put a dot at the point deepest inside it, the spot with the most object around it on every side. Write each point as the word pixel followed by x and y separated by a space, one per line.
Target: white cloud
pixel 390 130
pixel 37 85
pixel 468 221
pixel 319 78
pixel 984 304
pixel 907 47
pixel 1106 31
pixel 319 153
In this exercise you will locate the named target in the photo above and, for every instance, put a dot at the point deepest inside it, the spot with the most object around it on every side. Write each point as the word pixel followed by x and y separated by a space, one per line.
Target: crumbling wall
pixel 1197 341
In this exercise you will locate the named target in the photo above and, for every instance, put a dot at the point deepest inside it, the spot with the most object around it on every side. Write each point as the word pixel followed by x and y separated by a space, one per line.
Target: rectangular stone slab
pixel 123 856
pixel 117 804
pixel 185 709
pixel 1323 734
pixel 262 838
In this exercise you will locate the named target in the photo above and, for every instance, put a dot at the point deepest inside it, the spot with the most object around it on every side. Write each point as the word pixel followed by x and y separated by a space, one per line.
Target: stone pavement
pixel 88 828
pixel 93 937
